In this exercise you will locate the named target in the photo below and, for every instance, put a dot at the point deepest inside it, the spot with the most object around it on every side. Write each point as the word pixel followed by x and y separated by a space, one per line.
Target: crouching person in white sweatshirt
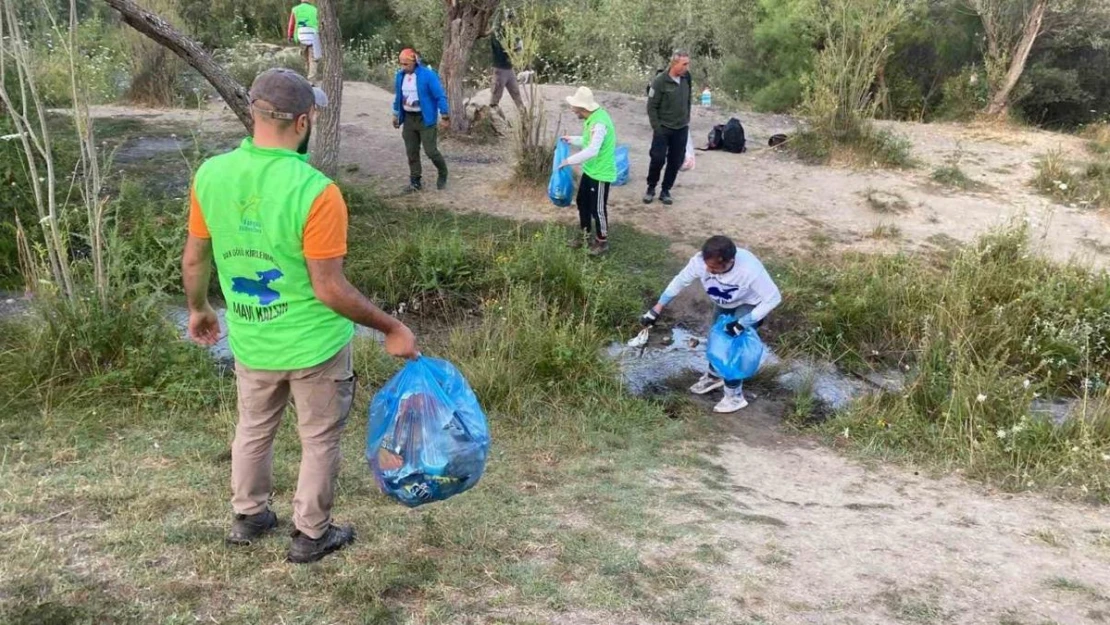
pixel 739 286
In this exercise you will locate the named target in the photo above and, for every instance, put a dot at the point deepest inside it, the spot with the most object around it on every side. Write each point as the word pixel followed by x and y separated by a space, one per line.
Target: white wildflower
pixel 1002 434
pixel 1025 384
pixel 980 398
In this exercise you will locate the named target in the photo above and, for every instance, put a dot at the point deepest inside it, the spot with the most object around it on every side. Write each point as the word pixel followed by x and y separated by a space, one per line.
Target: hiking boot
pixel 304 549
pixel 599 247
pixel 665 198
pixel 441 182
pixel 732 401
pixel 706 384
pixel 649 196
pixel 415 186
pixel 247 528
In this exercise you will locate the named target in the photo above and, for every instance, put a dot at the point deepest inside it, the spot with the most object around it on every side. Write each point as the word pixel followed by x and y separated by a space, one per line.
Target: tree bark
pixel 467 20
pixel 1000 99
pixel 160 31
pixel 325 155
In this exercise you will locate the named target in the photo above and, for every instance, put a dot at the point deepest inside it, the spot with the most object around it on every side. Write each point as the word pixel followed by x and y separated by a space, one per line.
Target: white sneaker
pixel 731 403
pixel 706 383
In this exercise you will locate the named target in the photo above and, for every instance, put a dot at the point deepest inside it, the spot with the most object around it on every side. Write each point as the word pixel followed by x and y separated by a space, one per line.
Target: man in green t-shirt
pixel 599 169
pixel 304 28
pixel 276 229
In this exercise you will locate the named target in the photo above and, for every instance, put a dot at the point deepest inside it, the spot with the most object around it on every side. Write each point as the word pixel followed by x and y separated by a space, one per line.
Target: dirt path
pixel 763 198
pixel 812 537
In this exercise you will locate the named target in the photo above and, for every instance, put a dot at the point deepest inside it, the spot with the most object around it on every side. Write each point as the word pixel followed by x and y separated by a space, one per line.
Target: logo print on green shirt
pixel 250 211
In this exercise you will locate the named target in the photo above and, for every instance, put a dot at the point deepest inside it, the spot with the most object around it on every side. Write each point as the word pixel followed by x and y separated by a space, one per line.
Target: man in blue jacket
pixel 418 102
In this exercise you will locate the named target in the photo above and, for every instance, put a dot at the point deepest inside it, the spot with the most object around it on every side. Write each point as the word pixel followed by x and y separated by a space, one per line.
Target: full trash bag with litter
pixel 428 438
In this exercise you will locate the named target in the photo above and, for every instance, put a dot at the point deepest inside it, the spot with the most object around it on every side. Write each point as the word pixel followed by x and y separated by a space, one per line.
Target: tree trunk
pixel 325 155
pixel 1000 99
pixel 467 20
pixel 160 31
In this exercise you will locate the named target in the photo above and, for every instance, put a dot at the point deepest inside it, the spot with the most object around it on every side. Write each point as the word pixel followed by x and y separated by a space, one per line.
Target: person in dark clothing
pixel 504 78
pixel 669 100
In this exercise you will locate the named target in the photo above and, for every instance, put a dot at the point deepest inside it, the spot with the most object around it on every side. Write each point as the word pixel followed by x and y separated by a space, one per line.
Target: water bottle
pixel 706 98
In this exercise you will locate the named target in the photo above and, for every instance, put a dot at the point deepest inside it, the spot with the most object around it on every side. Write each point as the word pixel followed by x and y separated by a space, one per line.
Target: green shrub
pixel 860 146
pixel 950 175
pixel 965 95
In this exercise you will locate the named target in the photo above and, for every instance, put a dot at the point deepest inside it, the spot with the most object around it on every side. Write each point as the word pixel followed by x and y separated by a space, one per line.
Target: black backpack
pixel 716 139
pixel 733 137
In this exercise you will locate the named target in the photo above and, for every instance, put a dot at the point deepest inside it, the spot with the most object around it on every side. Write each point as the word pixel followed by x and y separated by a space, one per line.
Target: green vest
pixel 255 202
pixel 603 167
pixel 304 14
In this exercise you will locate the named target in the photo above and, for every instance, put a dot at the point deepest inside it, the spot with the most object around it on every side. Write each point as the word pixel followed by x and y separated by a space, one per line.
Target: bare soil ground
pixel 763 198
pixel 798 532
pixel 809 536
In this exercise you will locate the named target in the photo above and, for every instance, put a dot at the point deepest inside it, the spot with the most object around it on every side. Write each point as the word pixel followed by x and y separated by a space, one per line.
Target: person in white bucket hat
pixel 598 159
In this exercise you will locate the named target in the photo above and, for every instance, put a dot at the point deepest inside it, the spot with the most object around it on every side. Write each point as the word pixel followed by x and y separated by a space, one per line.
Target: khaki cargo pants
pixel 322 396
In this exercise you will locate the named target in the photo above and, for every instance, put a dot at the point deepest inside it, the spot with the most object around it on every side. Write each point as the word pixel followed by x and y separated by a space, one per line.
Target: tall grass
pixel 861 146
pixel 982 332
pixel 446 266
pixel 839 98
pixel 1098 137
pixel 1082 184
pixel 70 352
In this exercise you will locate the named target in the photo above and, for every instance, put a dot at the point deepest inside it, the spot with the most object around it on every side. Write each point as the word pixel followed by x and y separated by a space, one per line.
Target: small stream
pixel 680 352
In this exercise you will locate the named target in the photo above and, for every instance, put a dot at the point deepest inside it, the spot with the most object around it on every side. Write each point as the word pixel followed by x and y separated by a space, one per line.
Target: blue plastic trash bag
pixel 734 358
pixel 622 166
pixel 561 187
pixel 428 437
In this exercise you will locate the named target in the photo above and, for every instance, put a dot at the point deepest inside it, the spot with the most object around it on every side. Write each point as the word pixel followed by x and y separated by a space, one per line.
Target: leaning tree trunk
pixel 467 20
pixel 160 31
pixel 1000 99
pixel 325 156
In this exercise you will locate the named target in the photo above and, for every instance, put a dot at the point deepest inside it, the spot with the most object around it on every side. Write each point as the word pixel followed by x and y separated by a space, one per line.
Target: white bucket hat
pixel 583 99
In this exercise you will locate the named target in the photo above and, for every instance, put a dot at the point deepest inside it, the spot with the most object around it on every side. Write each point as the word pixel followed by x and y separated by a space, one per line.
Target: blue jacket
pixel 433 102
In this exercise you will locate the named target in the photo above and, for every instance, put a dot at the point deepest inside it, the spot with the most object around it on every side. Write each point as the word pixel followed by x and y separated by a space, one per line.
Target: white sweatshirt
pixel 747 283
pixel 597 137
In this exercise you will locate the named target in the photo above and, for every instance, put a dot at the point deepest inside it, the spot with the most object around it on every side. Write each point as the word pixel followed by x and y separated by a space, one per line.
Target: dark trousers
pixel 667 147
pixel 593 206
pixel 416 133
